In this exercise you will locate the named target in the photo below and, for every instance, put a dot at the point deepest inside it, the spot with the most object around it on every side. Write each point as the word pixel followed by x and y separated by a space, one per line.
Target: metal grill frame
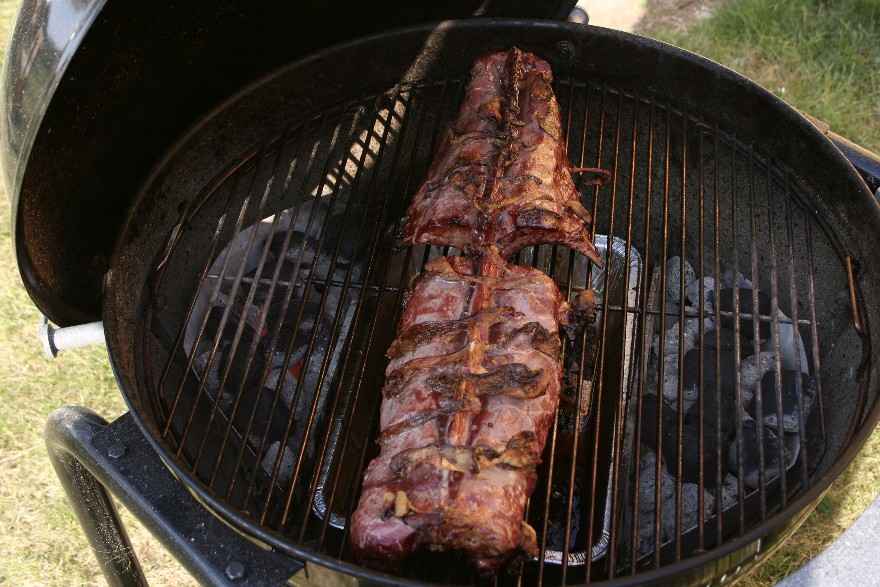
pixel 663 316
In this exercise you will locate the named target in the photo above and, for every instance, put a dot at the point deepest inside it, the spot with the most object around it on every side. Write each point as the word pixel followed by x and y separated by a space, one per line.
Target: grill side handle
pixel 54 339
pixel 866 162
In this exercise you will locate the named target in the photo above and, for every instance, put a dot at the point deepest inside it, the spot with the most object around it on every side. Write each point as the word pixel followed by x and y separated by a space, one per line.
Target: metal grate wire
pixel 321 294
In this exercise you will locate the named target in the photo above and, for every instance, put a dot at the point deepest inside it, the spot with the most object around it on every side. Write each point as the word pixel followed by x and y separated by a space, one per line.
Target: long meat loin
pixel 475 371
pixel 469 396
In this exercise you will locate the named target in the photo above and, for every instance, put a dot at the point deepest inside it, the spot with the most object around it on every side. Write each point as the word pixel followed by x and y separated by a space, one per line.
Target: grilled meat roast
pixel 475 372
pixel 469 396
pixel 501 175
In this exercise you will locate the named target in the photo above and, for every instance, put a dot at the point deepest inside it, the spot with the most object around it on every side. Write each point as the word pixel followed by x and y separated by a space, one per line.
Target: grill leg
pixel 95 460
pixel 68 432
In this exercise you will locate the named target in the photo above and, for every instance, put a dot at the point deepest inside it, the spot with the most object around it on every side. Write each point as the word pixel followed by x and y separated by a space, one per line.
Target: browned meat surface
pixel 470 393
pixel 475 371
pixel 501 175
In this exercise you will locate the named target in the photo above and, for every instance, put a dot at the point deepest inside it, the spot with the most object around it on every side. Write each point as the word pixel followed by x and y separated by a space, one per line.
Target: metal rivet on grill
pixel 116 450
pixel 235 571
pixel 566 51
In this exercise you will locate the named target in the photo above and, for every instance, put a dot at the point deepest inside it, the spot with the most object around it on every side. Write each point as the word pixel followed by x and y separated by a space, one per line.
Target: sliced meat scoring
pixel 440 384
pixel 501 176
pixel 474 375
pixel 443 332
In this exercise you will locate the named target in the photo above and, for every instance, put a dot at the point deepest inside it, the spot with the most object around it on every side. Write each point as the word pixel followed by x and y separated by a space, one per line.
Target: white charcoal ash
pixel 731 279
pixel 674 270
pixel 675 345
pixel 285 466
pixel 647 513
pixel 705 289
pixel 752 369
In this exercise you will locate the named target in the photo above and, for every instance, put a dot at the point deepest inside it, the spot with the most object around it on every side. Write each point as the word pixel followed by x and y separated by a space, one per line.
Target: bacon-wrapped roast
pixel 475 371
pixel 469 396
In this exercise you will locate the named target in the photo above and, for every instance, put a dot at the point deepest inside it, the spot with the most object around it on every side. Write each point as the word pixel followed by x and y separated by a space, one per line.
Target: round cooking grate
pixel 710 394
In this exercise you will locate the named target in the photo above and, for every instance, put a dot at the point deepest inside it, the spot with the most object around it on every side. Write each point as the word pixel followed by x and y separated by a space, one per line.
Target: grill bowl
pixel 707 167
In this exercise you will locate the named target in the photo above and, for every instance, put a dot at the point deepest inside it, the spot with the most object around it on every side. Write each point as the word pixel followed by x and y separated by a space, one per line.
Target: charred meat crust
pixel 471 388
pixel 474 374
pixel 501 176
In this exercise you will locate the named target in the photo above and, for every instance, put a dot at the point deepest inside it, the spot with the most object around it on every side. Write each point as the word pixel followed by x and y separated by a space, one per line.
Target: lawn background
pixel 823 57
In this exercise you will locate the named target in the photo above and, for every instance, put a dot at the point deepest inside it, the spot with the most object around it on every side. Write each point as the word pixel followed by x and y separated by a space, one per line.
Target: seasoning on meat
pixel 501 175
pixel 465 413
pixel 475 372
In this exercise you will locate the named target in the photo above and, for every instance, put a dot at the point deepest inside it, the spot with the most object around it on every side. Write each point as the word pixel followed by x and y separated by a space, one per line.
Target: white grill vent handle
pixel 55 340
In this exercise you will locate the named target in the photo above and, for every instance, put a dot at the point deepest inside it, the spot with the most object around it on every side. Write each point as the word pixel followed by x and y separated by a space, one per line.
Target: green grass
pixel 822 57
pixel 40 540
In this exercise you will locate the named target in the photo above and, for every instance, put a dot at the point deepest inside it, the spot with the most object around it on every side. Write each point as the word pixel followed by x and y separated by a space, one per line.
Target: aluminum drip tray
pixel 623 283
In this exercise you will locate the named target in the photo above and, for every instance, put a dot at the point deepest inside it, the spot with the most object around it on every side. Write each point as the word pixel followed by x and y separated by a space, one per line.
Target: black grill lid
pixel 90 104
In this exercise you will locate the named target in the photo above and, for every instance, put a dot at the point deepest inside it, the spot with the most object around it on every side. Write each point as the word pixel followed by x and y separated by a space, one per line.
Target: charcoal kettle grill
pixel 255 279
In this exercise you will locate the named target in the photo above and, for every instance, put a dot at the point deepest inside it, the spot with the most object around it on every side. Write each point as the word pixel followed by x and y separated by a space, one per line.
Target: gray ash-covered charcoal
pixel 729 492
pixel 751 455
pixel 751 371
pixel 690 509
pixel 647 508
pixel 284 464
pixel 690 499
pixel 649 427
pixel 674 269
pixel 705 289
pixel 789 395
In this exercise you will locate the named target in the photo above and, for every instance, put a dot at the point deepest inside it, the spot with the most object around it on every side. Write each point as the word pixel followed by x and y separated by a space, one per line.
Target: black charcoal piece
pixel 726 342
pixel 712 388
pixel 711 437
pixel 690 443
pixel 649 428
